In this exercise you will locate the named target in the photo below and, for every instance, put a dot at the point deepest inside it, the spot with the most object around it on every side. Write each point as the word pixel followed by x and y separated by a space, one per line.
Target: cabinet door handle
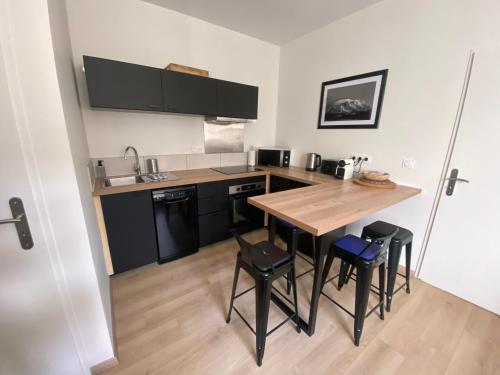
pixel 153 105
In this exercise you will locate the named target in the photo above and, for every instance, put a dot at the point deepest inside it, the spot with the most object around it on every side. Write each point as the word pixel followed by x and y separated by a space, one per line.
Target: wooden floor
pixel 170 319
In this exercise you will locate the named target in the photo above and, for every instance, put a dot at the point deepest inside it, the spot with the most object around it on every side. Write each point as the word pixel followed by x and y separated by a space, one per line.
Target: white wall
pixel 79 151
pixel 425 45
pixel 143 33
pixel 50 124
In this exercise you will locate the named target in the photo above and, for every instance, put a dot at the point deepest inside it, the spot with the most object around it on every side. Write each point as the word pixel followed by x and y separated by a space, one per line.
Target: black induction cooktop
pixel 237 169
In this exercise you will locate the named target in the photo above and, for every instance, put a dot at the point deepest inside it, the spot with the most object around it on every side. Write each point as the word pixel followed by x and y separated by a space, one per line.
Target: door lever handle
pixel 13 220
pixel 458 179
pixel 452 180
pixel 21 221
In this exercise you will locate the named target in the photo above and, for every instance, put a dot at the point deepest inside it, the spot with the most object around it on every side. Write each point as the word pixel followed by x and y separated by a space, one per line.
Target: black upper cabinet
pixel 237 100
pixel 115 84
pixel 187 93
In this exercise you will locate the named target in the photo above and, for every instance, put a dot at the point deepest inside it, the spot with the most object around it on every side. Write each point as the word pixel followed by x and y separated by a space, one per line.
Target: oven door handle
pixel 247 194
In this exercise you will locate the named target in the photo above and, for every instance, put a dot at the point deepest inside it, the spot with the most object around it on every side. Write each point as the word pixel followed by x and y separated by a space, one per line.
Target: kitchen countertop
pixel 197 176
pixel 329 205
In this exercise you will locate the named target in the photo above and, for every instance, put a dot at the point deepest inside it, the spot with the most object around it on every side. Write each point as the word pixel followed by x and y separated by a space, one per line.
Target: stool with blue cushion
pixel 403 238
pixel 365 256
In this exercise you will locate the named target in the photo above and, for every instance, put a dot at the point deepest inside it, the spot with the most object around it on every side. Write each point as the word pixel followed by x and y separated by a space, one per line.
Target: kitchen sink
pixel 138 179
pixel 123 180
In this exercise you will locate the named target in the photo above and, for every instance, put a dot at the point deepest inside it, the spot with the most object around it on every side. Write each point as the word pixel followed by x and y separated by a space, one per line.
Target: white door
pixel 463 253
pixel 35 337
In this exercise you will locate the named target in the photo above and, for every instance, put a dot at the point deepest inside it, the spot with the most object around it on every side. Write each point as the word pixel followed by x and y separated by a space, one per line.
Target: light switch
pixel 409 163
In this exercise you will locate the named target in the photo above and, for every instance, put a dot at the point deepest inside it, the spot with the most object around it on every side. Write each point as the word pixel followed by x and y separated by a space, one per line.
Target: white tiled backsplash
pixel 119 166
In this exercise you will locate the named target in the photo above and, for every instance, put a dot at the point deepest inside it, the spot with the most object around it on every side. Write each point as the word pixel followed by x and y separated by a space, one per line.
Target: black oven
pixel 243 216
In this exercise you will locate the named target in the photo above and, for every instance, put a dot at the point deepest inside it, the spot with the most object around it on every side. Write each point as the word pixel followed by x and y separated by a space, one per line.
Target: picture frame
pixel 353 102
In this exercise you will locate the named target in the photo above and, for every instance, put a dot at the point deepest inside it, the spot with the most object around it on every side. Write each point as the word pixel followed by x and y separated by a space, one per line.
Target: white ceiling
pixel 275 21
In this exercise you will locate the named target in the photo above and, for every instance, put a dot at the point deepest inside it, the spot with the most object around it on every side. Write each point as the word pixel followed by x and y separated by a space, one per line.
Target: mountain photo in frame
pixel 353 102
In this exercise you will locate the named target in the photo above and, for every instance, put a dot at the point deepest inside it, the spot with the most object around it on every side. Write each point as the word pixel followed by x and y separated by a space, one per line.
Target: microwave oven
pixel 276 157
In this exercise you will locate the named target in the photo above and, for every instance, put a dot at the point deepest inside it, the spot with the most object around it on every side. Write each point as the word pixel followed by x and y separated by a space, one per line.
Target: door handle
pixel 14 220
pixel 452 180
pixel 21 221
pixel 459 180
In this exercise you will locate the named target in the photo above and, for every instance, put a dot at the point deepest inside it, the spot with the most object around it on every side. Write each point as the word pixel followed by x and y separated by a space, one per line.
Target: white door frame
pixel 36 186
pixel 446 166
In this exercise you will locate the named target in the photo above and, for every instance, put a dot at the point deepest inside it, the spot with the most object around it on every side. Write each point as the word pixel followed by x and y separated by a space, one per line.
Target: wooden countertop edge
pixel 318 231
pixel 198 176
pixel 188 180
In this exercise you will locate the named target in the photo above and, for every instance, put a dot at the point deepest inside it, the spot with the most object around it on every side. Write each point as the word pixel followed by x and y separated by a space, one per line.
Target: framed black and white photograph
pixel 352 102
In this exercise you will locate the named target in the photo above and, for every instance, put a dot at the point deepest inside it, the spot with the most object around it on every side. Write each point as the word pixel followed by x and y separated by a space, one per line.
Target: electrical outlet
pixel 367 159
pixel 409 163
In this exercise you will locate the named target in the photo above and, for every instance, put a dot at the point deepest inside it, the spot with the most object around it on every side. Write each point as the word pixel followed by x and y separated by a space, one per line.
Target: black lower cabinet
pixel 213 227
pixel 213 219
pixel 282 184
pixel 130 228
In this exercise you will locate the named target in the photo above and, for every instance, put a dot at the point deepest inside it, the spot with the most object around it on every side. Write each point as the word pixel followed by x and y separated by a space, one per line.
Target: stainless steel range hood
pixel 224 138
pixel 226 120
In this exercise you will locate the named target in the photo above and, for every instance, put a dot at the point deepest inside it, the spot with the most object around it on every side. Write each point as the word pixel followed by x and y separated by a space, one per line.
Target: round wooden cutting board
pixel 385 184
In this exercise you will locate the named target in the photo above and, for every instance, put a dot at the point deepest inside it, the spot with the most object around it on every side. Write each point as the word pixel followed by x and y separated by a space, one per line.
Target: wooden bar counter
pixel 330 205
pixel 321 209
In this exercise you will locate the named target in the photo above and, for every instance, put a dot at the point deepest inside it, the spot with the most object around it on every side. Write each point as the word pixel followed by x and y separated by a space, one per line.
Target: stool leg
pixel 344 274
pixel 349 271
pixel 292 250
pixel 326 269
pixel 408 266
pixel 235 284
pixel 262 300
pixel 392 270
pixel 363 283
pixel 288 282
pixel 271 228
pixel 295 302
pixel 381 288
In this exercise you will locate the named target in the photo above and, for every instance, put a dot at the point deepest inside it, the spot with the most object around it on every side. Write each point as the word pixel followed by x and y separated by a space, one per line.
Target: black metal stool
pixel 365 256
pixel 403 237
pixel 265 263
pixel 297 241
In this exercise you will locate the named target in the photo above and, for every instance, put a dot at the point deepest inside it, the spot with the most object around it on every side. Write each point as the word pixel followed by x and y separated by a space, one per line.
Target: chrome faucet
pixel 137 166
